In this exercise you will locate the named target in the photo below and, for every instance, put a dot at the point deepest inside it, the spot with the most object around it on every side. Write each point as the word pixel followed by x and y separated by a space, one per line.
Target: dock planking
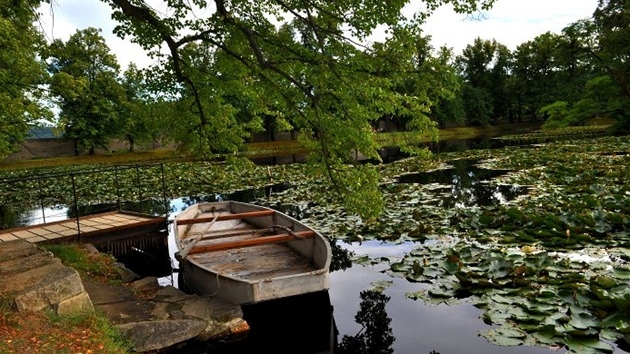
pixel 96 228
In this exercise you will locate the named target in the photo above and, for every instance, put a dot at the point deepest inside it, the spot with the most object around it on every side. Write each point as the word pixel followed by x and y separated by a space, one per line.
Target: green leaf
pixel 587 345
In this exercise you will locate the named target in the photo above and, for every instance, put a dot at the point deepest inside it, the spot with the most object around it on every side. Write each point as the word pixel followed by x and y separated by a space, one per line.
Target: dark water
pixel 393 153
pixel 464 184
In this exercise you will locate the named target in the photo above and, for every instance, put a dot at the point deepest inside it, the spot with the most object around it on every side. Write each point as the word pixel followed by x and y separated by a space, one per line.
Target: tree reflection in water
pixel 376 335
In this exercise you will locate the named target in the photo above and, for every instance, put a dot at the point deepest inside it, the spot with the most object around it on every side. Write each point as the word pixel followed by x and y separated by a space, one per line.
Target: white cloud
pixel 62 19
pixel 510 22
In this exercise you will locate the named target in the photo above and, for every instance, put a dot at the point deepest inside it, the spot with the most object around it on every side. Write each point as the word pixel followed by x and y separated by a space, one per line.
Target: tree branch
pixel 143 14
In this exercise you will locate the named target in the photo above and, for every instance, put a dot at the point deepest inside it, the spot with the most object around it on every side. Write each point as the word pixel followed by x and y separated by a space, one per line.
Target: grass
pixel 96 265
pixel 159 155
pixel 47 333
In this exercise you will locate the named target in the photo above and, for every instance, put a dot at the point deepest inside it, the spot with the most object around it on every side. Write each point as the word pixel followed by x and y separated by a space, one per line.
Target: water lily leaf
pixel 619 321
pixel 432 272
pixel 620 296
pixel 442 292
pixel 399 267
pixel 587 345
pixel 364 260
pixel 450 267
pixel 499 268
pixel 505 336
pixel 380 286
pixel 418 295
pixel 604 281
pixel 547 335
pixel 610 335
pixel 583 321
pixel 555 319
pixel 621 273
pixel 501 299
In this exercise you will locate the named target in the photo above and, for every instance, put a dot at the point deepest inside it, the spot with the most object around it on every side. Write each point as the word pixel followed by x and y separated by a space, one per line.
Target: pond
pixel 403 325
pixel 497 251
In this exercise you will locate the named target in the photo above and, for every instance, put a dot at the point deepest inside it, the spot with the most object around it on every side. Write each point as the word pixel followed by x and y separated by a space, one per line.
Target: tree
pixel 321 73
pixel 592 56
pixel 84 82
pixel 484 68
pixel 133 112
pixel 612 24
pixel 22 74
pixel 543 68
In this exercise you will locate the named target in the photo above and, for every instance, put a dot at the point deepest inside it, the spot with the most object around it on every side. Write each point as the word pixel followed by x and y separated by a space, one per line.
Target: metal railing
pixel 80 192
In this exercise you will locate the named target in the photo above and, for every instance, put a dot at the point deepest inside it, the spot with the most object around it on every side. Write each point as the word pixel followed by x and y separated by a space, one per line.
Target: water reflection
pixel 465 184
pixel 299 324
pixel 375 335
pixel 15 217
pixel 11 217
pixel 394 153
pixel 408 326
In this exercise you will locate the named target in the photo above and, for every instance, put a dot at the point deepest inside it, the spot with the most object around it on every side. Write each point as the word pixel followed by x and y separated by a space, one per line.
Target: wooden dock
pixel 96 228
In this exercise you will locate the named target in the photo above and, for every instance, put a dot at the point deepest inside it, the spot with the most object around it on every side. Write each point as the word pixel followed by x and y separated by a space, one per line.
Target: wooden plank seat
pixel 251 242
pixel 251 214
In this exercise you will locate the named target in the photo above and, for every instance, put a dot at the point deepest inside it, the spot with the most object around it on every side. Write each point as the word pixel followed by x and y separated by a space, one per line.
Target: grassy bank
pixel 261 149
pixel 48 333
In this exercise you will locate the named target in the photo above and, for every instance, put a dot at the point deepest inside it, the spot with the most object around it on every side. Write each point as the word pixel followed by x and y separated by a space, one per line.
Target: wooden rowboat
pixel 246 253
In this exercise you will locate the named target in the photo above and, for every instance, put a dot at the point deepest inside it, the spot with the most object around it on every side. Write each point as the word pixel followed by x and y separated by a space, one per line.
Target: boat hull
pixel 269 266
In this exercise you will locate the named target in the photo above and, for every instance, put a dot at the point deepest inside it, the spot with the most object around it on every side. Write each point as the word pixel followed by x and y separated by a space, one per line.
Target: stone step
pixel 161 317
pixel 35 280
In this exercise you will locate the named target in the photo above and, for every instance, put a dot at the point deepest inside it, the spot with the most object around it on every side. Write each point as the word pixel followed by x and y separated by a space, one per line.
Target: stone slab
pixel 155 335
pixel 60 283
pixel 18 265
pixel 79 304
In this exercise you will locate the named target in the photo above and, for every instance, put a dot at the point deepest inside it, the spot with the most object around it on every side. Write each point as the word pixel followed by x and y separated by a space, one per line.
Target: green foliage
pixel 600 96
pixel 247 66
pixel 22 73
pixel 133 110
pixel 556 114
pixel 592 69
pixel 484 68
pixel 85 85
pixel 611 20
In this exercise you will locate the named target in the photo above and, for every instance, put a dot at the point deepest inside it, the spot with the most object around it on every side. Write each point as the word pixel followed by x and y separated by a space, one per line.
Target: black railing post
pixel 41 197
pixel 166 204
pixel 76 205
pixel 139 186
pixel 117 187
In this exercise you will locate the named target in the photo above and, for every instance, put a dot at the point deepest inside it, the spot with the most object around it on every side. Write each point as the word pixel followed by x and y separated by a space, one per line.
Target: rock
pixel 146 285
pixel 17 249
pixel 170 293
pixel 211 308
pixel 79 304
pixel 151 316
pixel 155 335
pixel 18 256
pixel 47 286
pixel 223 319
pixel 35 280
pixel 90 248
pixel 126 275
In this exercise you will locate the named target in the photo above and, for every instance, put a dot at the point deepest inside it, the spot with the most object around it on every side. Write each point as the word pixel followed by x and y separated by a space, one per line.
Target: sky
pixel 510 22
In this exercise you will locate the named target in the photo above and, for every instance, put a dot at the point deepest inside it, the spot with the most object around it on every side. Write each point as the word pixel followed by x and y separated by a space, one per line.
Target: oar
pixel 194 241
